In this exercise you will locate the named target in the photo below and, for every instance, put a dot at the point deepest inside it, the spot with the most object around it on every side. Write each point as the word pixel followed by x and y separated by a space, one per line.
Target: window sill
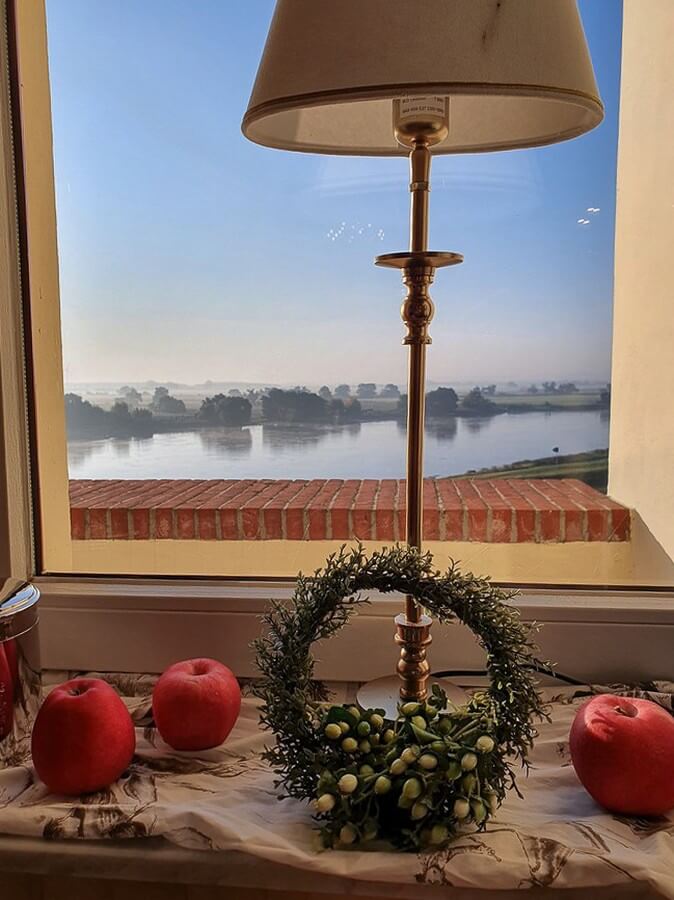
pixel 131 625
pixel 508 510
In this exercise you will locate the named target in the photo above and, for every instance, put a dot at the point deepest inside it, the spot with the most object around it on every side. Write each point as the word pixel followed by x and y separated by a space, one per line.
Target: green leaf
pixel 424 737
pixel 340 714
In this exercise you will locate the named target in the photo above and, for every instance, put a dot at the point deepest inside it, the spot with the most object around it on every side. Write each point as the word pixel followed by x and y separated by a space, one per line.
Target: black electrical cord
pixel 538 666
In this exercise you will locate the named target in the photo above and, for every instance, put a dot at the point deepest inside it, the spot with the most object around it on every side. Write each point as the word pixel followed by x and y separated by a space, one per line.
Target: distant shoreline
pixel 170 424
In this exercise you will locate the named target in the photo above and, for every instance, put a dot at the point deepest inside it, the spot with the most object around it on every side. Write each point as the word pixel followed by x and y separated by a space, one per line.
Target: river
pixel 370 449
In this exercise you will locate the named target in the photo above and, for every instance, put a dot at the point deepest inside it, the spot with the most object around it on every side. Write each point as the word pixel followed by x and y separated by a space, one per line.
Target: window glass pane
pixel 222 319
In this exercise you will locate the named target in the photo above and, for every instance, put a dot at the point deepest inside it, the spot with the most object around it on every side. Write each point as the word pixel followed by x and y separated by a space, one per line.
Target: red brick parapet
pixel 508 510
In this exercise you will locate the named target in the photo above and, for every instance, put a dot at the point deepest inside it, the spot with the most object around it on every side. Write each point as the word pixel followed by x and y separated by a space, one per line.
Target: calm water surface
pixel 372 449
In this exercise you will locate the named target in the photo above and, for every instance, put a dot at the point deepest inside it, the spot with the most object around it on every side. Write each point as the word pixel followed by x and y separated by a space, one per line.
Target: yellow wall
pixel 641 463
pixel 636 562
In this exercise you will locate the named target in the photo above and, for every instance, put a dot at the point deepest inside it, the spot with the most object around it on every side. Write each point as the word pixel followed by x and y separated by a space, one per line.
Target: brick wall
pixel 511 510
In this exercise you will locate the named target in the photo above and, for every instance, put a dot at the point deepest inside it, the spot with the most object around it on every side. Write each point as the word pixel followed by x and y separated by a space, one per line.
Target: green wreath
pixel 436 768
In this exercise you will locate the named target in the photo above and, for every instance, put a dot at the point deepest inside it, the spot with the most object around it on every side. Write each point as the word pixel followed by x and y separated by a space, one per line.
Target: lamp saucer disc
pixel 384 693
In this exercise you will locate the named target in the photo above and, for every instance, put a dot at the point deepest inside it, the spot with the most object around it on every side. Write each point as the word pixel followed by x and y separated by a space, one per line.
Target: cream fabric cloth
pixel 225 799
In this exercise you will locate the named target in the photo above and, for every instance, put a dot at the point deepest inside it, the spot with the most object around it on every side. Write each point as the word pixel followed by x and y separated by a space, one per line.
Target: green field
pixel 380 404
pixel 524 401
pixel 591 467
pixel 567 400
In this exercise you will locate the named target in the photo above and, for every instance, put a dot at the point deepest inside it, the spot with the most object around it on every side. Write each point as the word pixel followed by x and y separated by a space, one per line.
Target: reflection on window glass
pixel 221 314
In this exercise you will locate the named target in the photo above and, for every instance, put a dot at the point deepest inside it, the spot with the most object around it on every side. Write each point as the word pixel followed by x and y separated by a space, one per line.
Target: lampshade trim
pixel 382 92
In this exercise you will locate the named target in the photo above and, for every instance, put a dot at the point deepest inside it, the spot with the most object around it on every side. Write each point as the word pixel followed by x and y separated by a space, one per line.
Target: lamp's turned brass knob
pixel 413 667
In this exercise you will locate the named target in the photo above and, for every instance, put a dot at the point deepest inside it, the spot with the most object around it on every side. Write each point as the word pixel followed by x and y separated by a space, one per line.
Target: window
pixel 232 367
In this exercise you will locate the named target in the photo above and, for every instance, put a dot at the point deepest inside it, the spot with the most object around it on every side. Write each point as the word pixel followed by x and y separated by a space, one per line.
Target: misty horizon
pixel 213 384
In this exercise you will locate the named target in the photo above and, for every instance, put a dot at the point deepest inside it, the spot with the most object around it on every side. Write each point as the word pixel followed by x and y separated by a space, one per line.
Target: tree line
pixel 444 402
pixel 127 418
pixel 135 414
pixel 84 419
pixel 551 387
pixel 282 406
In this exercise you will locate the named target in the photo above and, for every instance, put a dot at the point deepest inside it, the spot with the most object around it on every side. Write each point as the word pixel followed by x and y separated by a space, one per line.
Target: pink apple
pixel 83 737
pixel 6 694
pixel 196 703
pixel 623 753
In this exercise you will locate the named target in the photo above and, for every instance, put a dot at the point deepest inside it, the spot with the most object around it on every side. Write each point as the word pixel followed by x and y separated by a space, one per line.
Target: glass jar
pixel 20 674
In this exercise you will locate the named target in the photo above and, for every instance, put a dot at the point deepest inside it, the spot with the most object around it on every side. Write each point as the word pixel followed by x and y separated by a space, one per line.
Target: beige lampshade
pixel 517 73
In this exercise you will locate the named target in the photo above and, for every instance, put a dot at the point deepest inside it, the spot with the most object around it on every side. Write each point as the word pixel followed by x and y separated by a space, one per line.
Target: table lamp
pixel 404 78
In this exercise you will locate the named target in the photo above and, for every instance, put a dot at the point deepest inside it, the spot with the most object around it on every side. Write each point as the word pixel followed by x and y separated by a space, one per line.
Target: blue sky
pixel 188 253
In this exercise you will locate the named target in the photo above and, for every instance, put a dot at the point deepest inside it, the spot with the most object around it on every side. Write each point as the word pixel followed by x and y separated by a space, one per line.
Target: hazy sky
pixel 188 253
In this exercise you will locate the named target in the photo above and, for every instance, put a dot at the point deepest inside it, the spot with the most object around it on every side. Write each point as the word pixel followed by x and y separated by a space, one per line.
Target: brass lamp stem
pixel 420 187
pixel 417 313
pixel 418 269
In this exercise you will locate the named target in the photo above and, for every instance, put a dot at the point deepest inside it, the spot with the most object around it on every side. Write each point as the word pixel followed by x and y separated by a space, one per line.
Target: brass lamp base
pixel 413 669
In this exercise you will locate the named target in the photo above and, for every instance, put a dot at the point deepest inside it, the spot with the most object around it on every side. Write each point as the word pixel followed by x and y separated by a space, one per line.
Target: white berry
pixel 347 784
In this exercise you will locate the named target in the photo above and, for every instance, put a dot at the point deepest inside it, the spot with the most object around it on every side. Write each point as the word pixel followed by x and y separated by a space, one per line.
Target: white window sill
pixel 134 625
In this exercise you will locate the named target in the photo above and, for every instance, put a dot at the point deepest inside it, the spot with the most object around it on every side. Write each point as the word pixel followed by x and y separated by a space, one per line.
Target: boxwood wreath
pixel 417 780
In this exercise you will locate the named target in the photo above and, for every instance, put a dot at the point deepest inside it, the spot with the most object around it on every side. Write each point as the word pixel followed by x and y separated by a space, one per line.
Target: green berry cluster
pixel 411 782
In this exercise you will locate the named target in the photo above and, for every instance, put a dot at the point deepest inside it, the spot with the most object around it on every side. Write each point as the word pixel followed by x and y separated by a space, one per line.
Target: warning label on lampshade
pixel 416 107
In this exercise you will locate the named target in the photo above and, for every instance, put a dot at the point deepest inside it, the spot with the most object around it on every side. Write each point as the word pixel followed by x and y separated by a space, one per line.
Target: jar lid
pixel 18 612
pixel 21 600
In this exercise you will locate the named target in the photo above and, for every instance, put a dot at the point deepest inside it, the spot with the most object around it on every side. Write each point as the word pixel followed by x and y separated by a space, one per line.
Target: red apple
pixel 196 703
pixel 623 752
pixel 83 737
pixel 6 694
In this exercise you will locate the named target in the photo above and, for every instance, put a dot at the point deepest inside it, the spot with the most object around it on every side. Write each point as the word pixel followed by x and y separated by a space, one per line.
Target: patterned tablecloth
pixel 224 799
